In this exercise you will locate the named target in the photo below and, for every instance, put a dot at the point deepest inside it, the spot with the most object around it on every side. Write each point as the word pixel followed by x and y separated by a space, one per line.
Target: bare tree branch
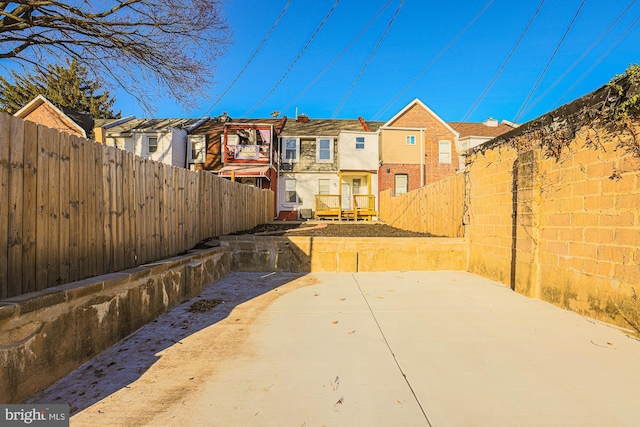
pixel 149 47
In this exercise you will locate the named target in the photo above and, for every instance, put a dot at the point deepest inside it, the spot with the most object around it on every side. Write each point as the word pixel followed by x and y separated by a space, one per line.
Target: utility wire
pixel 336 58
pixel 504 64
pixel 326 18
pixel 595 64
pixel 577 61
pixel 550 61
pixel 433 61
pixel 264 40
pixel 375 49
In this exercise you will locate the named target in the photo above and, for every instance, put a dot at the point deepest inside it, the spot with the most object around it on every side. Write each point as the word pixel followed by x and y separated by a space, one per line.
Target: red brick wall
pixel 45 115
pixel 386 180
pixel 434 131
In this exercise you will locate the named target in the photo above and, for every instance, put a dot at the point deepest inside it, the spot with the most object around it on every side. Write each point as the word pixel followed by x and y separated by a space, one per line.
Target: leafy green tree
pixel 65 86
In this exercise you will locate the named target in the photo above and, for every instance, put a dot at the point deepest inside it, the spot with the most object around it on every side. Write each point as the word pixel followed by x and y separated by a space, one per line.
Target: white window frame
pixel 326 182
pixel 318 150
pixel 284 150
pixel 395 184
pixel 295 192
pixel 445 153
pixel 149 137
pixel 232 139
pixel 411 140
pixel 360 141
pixel 197 143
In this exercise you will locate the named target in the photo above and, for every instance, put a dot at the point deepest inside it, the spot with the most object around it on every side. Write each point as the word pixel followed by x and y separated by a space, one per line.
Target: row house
pixel 244 150
pixel 328 169
pixel 162 140
pixel 417 147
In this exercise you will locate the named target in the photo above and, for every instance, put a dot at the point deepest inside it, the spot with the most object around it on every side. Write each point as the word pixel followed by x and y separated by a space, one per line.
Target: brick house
pixel 417 148
pixel 43 112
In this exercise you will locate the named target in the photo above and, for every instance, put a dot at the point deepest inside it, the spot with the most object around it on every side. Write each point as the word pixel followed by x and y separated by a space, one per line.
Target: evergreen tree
pixel 65 86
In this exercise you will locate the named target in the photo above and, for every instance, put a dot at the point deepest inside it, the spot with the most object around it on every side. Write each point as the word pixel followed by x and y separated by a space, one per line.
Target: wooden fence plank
pixel 162 224
pixel 16 190
pixel 99 207
pixel 42 200
pixel 108 208
pixel 64 246
pixel 128 210
pixel 84 243
pixel 91 224
pixel 74 208
pixel 5 144
pixel 53 221
pixel 117 189
pixel 30 207
pixel 141 215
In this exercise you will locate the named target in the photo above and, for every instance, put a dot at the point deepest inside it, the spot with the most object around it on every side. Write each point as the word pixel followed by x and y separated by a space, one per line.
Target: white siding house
pixel 162 140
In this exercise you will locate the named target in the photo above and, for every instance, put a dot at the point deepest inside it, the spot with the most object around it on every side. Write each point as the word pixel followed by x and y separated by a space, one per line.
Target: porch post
pixel 340 193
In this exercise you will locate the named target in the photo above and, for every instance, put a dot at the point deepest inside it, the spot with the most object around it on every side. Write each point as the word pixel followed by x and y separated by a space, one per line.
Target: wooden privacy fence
pixel 71 208
pixel 437 208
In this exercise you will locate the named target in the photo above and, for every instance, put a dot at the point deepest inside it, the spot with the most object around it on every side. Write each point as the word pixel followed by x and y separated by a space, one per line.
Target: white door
pixel 346 196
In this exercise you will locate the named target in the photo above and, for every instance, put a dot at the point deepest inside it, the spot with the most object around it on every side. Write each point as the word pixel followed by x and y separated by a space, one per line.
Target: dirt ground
pixel 328 229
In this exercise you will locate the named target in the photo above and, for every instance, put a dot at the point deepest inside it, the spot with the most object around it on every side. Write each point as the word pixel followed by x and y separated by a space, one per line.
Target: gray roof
pixel 147 125
pixel 325 127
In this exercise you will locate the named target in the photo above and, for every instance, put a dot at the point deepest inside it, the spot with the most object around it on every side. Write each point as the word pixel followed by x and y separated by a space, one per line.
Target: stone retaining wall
pixel 47 334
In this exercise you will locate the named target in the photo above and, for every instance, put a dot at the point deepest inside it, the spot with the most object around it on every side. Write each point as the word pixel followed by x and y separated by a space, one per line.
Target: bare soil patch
pixel 325 229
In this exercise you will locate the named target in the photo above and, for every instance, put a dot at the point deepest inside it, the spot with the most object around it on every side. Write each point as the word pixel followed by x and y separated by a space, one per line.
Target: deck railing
pixel 330 206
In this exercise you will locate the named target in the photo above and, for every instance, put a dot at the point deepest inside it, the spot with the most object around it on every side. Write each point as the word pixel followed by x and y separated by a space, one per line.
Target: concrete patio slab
pixel 362 349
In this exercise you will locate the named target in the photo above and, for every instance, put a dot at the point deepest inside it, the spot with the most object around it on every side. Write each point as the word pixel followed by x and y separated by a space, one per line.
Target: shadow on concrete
pixel 121 365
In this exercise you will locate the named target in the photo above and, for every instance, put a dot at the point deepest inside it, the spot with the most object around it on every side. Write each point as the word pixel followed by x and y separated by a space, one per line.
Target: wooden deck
pixel 329 206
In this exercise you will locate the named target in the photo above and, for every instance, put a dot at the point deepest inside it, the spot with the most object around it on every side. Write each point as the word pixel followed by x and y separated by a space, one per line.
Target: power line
pixel 595 64
pixel 337 57
pixel 550 61
pixel 504 64
pixel 433 61
pixel 375 49
pixel 577 61
pixel 326 18
pixel 264 40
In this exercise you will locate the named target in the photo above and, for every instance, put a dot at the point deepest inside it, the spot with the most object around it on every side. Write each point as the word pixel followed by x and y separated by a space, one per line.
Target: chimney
pixel 491 122
pixel 364 124
pixel 303 118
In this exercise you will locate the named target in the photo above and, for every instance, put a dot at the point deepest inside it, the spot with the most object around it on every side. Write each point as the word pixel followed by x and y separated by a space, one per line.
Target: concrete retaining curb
pixel 45 335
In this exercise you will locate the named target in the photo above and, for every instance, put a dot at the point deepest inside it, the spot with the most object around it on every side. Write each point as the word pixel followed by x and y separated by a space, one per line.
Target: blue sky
pixel 421 30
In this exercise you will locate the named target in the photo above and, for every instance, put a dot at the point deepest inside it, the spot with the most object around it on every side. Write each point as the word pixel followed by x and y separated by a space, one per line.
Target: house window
pixel 356 185
pixel 411 140
pixel 323 186
pixel 198 148
pixel 290 195
pixel 231 139
pixel 290 150
pixel 401 184
pixel 324 150
pixel 152 143
pixel 445 152
pixel 360 143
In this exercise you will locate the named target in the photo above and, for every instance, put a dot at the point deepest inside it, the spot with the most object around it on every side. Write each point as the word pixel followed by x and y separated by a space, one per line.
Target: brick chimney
pixel 302 118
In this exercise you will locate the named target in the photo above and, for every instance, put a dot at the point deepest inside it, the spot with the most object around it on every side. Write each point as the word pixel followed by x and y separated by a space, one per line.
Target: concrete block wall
pixel 565 230
pixel 344 254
